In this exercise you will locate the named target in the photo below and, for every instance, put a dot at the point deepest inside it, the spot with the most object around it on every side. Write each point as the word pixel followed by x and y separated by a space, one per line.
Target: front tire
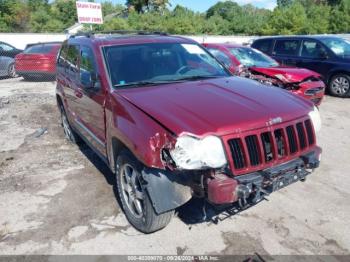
pixel 134 198
pixel 11 71
pixel 340 85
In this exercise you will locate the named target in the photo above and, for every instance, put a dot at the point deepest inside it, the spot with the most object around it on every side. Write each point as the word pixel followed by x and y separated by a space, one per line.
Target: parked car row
pixel 37 61
pixel 327 55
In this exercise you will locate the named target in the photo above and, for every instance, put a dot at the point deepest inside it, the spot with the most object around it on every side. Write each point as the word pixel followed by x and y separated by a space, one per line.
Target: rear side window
pixel 286 47
pixel 39 49
pixel 72 61
pixel 263 45
pixel 312 49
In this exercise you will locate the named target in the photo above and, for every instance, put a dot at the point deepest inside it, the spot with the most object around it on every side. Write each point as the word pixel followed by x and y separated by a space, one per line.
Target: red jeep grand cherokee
pixel 173 124
pixel 251 63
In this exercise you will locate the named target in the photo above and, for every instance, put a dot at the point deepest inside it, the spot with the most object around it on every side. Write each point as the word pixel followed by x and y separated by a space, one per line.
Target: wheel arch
pixel 336 72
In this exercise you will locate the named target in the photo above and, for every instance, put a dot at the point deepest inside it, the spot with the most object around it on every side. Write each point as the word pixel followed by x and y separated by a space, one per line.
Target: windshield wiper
pixel 141 83
pixel 195 78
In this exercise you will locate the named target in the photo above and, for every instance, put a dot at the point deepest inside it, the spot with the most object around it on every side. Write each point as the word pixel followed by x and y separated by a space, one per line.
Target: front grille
pixel 255 150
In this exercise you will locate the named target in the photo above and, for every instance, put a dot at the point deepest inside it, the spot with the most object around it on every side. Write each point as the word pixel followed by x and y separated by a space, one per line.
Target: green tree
pixel 340 18
pixel 288 20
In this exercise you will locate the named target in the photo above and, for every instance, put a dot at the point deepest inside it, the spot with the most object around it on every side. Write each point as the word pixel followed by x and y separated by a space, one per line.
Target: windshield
pixel 339 46
pixel 160 63
pixel 252 57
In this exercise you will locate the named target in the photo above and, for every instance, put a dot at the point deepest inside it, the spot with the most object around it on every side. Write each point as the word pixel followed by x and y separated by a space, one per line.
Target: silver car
pixel 7 67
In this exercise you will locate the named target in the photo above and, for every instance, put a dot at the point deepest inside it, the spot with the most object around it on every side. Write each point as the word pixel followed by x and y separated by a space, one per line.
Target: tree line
pixel 223 18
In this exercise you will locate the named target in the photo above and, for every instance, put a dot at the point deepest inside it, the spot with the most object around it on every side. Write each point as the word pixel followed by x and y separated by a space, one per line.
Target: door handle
pixel 78 94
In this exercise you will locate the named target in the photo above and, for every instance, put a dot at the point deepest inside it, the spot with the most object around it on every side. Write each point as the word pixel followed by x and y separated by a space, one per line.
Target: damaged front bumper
pixel 252 187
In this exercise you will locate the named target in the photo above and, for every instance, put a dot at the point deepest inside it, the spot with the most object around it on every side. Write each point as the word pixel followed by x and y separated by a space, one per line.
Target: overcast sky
pixel 203 5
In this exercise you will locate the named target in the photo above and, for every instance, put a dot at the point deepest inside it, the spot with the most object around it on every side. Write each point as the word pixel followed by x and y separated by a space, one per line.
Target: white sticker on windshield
pixel 193 49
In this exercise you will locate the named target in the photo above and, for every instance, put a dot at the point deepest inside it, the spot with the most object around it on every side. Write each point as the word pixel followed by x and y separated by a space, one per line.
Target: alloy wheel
pixel 132 191
pixel 340 85
pixel 66 127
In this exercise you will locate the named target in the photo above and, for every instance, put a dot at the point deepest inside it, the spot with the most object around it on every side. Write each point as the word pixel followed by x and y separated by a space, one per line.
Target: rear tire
pixel 340 85
pixel 134 198
pixel 69 133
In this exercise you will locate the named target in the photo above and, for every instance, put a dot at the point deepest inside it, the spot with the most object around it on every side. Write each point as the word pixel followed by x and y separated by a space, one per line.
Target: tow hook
pixel 243 193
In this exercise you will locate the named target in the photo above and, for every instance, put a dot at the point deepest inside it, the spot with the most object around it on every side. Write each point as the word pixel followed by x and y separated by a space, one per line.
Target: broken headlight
pixel 193 153
pixel 316 119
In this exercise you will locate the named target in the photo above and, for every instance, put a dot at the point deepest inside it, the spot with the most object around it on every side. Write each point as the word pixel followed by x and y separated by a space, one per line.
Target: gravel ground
pixel 56 198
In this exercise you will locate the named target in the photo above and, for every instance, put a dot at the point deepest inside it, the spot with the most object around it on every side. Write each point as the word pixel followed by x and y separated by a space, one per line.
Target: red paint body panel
pixel 175 107
pixel 290 75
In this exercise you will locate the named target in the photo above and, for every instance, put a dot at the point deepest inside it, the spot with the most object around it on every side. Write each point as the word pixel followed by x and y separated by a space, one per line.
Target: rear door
pixel 68 75
pixel 315 56
pixel 286 51
pixel 90 98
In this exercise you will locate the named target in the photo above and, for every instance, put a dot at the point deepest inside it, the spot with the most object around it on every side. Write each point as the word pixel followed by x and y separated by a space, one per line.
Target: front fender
pixel 141 134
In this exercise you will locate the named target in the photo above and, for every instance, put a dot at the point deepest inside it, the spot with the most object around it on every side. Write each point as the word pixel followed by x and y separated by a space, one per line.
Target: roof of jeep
pixel 107 40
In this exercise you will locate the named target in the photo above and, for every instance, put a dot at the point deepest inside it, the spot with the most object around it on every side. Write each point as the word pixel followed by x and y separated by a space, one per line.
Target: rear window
pixel 39 49
pixel 263 45
pixel 286 47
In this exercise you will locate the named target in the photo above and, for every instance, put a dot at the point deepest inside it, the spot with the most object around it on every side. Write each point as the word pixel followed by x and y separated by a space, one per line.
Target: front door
pixel 90 99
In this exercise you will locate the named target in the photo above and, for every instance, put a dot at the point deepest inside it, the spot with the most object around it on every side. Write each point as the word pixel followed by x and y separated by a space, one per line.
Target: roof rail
pixel 86 34
pixel 117 32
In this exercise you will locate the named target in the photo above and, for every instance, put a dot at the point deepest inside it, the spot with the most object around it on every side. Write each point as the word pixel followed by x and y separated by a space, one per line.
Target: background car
pixel 251 63
pixel 38 61
pixel 327 55
pixel 7 67
pixel 8 50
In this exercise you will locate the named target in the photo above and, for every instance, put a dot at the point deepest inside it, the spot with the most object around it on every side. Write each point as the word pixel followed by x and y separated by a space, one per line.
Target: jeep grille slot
pixel 272 145
pixel 253 149
pixel 293 147
pixel 237 153
pixel 301 135
pixel 280 142
pixel 309 131
pixel 267 146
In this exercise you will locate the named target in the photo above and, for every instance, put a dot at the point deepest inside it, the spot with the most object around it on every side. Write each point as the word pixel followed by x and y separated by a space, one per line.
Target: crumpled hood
pixel 216 106
pixel 290 74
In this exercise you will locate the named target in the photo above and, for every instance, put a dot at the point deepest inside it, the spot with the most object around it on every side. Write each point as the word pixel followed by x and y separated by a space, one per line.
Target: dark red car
pixel 172 123
pixel 38 61
pixel 251 63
